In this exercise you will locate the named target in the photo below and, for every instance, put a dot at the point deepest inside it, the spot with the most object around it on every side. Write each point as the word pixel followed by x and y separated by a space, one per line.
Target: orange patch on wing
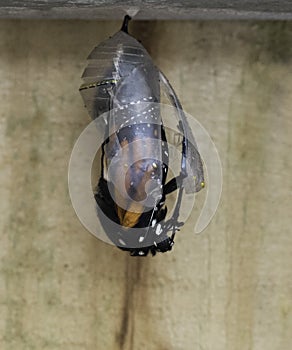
pixel 128 218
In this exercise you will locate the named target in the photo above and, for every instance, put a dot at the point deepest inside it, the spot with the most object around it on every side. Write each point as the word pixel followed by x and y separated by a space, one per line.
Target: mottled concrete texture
pixel 229 288
pixel 147 9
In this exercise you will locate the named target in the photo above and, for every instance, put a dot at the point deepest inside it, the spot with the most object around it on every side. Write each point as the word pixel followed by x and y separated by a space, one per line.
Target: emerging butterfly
pixel 123 86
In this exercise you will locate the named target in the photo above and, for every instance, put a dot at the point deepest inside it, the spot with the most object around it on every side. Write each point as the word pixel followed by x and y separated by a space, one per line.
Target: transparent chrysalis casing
pixel 123 86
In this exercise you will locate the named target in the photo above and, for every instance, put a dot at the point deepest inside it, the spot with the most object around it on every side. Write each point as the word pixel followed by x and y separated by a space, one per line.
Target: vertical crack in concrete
pixel 125 337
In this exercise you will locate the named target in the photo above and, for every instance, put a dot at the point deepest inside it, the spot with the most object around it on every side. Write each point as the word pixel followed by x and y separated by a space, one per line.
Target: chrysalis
pixel 123 86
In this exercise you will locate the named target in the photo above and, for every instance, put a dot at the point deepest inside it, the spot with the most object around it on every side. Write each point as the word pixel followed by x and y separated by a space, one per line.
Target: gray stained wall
pixel 226 289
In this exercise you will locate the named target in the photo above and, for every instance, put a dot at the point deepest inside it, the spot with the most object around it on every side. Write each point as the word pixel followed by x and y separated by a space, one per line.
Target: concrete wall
pixel 227 289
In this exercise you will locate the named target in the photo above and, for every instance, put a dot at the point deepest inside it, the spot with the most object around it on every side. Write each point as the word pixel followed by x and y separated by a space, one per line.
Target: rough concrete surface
pixel 147 9
pixel 229 288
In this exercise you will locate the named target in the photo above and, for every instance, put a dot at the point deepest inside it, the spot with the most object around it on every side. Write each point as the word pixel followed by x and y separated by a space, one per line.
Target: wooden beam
pixel 147 9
